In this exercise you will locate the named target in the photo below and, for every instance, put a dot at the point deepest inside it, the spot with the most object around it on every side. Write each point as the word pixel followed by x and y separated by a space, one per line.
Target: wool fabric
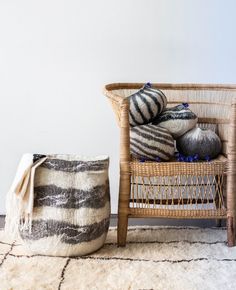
pixel 151 142
pixel 71 206
pixel 177 120
pixel 146 105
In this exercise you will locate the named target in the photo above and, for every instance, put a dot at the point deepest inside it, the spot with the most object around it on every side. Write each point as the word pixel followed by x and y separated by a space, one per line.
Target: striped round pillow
pixel 71 206
pixel 151 142
pixel 177 120
pixel 145 105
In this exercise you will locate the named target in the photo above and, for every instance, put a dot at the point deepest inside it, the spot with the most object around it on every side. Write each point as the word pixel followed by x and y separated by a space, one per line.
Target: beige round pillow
pixel 151 142
pixel 146 105
pixel 177 120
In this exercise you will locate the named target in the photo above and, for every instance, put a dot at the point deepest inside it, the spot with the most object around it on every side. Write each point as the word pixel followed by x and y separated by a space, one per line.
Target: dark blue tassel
pixel 190 158
pixel 186 105
pixel 207 158
pixel 181 159
pixel 195 157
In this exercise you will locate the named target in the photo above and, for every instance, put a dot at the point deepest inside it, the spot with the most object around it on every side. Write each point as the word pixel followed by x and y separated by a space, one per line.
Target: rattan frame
pixel 127 166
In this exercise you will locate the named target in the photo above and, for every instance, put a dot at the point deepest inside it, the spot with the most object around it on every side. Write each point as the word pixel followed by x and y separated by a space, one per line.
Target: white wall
pixel 55 57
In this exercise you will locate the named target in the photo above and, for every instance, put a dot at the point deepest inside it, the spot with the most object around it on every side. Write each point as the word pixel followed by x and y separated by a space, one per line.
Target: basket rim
pixel 171 86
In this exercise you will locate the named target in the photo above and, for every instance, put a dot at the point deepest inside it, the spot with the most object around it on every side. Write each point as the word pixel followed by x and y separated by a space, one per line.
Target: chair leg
pixel 218 221
pixel 123 209
pixel 230 231
pixel 122 230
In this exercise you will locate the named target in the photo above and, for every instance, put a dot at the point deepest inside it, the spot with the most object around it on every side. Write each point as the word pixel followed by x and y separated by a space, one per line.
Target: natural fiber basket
pixel 71 211
pixel 179 189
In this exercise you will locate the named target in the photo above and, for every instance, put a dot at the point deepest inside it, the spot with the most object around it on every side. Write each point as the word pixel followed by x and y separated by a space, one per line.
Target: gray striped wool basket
pixel 71 206
pixel 151 142
pixel 146 105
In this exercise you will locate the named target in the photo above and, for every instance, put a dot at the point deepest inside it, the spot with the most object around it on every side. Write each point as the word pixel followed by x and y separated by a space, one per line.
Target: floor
pixel 156 221
pixel 170 258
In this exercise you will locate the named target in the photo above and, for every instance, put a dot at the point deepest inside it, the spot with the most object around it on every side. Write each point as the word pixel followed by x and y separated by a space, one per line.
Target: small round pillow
pixel 205 143
pixel 151 142
pixel 145 105
pixel 178 120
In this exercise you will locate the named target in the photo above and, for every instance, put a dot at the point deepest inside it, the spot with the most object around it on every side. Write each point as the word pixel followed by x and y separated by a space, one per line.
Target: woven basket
pixel 179 189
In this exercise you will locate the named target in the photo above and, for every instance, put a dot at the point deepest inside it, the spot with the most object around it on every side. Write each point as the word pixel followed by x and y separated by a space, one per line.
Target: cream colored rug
pixel 154 258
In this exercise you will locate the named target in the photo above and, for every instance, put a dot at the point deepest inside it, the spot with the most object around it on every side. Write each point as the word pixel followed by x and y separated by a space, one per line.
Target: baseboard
pixel 156 221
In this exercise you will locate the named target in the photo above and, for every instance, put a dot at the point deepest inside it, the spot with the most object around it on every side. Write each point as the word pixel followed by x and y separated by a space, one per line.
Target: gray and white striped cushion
pixel 177 120
pixel 145 105
pixel 71 206
pixel 151 141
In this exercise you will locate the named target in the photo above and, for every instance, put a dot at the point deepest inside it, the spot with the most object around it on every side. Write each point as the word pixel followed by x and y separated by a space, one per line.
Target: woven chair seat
pixel 172 167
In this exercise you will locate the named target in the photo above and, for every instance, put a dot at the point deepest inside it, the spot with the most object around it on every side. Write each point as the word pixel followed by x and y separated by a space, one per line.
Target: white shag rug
pixel 154 258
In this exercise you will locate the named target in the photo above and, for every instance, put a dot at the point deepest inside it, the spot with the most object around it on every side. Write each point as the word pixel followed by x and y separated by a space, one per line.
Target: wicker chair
pixel 199 190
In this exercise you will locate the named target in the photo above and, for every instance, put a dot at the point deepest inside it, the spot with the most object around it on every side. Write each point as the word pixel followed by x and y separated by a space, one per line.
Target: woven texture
pixel 174 189
pixel 188 190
